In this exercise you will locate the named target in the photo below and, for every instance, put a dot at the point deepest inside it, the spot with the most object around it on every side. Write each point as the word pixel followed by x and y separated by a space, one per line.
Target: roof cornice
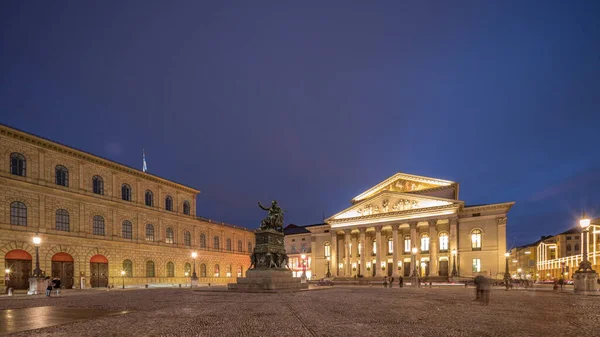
pixel 401 175
pixel 504 205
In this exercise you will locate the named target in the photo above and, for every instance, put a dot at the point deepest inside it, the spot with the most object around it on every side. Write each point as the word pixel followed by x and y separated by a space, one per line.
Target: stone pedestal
pixel 37 285
pixel 269 271
pixel 194 282
pixel 584 281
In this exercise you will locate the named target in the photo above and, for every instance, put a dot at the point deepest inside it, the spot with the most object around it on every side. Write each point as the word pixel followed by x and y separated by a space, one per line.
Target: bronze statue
pixel 275 218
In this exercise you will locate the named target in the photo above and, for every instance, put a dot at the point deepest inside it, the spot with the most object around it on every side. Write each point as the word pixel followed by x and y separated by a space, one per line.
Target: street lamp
pixel 519 270
pixel 454 271
pixel 186 275
pixel 506 273
pixel 37 272
pixel 585 264
pixel 123 278
pixel 328 272
pixel 414 262
pixel 303 257
pixel 194 276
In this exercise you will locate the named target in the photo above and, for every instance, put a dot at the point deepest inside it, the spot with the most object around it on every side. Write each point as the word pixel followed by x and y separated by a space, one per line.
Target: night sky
pixel 312 103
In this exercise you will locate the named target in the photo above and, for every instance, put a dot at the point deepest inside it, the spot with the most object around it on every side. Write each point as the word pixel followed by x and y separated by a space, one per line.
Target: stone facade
pixel 122 233
pixel 385 223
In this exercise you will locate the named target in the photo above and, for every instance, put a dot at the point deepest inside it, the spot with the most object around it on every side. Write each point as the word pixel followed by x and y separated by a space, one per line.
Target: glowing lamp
pixel 414 250
pixel 122 273
pixel 7 271
pixel 37 240
pixel 584 222
pixel 194 255
pixel 506 254
pixel 453 251
pixel 328 258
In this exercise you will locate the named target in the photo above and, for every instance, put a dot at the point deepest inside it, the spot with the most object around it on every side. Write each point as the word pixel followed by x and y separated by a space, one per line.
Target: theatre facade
pixel 404 223
pixel 98 219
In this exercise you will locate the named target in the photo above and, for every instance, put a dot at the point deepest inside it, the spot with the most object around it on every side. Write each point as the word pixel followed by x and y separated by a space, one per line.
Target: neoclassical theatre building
pixel 97 218
pixel 375 236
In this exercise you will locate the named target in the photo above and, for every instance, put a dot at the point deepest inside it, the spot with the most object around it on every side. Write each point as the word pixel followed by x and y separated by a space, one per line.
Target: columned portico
pixel 433 248
pixel 395 247
pixel 378 251
pixel 347 264
pixel 362 252
pixel 334 265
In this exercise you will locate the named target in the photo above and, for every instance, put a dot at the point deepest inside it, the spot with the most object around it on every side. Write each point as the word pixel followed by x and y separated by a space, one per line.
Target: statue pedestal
pixel 584 281
pixel 37 285
pixel 270 272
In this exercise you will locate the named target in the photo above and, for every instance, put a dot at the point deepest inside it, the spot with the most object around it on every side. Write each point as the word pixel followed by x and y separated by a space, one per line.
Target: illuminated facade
pixel 375 236
pixel 561 254
pixel 98 218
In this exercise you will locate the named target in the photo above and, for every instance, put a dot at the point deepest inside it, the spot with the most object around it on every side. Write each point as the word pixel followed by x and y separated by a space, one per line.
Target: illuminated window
pixel 443 242
pixel 327 247
pixel 390 244
pixel 476 265
pixel 407 244
pixel 217 270
pixel 424 243
pixel 169 237
pixel 62 176
pixel 374 247
pixel 476 239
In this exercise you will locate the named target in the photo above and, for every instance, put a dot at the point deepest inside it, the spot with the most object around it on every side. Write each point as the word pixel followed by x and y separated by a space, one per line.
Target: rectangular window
pixel 327 250
pixel 568 238
pixel 476 265
pixel 407 245
pixel 350 249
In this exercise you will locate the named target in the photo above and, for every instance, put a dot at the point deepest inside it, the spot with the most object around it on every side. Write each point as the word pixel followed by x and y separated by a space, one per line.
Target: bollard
pixel 430 283
pixel 10 292
pixel 146 286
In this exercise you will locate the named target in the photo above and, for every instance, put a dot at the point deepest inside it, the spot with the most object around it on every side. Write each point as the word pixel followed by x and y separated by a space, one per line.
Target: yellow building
pixel 377 234
pixel 97 218
pixel 522 262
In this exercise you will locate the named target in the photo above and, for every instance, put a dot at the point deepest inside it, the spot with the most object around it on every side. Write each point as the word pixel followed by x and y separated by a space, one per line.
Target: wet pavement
pixel 16 320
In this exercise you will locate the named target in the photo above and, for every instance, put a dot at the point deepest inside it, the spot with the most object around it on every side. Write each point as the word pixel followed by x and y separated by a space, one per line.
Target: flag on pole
pixel 144 168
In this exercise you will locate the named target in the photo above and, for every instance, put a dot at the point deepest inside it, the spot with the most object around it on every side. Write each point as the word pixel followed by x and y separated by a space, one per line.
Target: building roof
pixel 574 230
pixel 292 229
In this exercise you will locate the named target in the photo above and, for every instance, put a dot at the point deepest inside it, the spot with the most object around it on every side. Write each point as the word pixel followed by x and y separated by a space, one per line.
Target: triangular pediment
pixel 388 202
pixel 402 182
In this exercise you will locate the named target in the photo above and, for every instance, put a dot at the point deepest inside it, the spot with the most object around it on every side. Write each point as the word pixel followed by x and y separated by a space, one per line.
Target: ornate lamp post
pixel 506 273
pixel 186 276
pixel 519 270
pixel 303 257
pixel 194 276
pixel 415 272
pixel 585 278
pixel 37 272
pixel 454 271
pixel 123 278
pixel 328 271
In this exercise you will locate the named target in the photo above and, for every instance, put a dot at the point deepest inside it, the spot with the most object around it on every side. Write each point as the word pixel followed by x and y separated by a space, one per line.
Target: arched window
pixel 228 243
pixel 327 249
pixel 390 244
pixel 98 185
pixel 169 203
pixel 576 247
pixel 374 252
pixel 568 247
pixel 407 245
pixel 424 243
pixel 128 268
pixel 228 270
pixel 170 236
pixel 62 220
pixel 170 269
pixel 187 238
pixel 240 246
pixel 202 240
pixel 149 198
pixel 360 248
pixel 18 165
pixel 126 192
pixel 239 271
pixel 149 232
pixel 150 269
pixel 18 214
pixel 443 242
pixel 216 242
pixel 62 176
pixel 202 270
pixel 127 230
pixel 186 207
pixel 217 270
pixel 187 268
pixel 476 239
pixel 98 225
pixel 249 247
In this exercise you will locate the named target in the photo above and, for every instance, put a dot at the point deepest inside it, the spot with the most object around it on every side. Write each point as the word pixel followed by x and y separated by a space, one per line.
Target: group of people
pixel 389 281
pixel 483 285
pixel 52 284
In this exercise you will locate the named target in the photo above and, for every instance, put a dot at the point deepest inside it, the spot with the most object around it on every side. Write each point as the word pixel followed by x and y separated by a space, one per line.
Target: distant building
pixel 97 218
pixel 375 236
pixel 561 254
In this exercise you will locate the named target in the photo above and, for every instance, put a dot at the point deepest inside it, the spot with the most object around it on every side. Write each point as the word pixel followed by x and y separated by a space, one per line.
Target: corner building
pixel 97 218
pixel 375 236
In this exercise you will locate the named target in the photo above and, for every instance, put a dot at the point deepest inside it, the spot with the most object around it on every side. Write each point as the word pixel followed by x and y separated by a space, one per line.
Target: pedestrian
pixel 391 281
pixel 400 281
pixel 555 286
pixel 385 281
pixel 56 281
pixel 486 285
pixel 479 279
pixel 49 286
pixel 561 283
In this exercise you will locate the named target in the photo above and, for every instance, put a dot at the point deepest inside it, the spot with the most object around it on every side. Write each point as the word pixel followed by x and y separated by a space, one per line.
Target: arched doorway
pixel 19 263
pixel 99 271
pixel 62 267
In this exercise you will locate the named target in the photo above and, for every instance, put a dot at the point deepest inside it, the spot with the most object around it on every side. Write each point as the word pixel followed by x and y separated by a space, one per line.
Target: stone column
pixel 454 242
pixel 313 259
pixel 433 248
pixel 413 235
pixel 395 250
pixel 333 265
pixel 363 252
pixel 354 254
pixel 378 251
pixel 347 265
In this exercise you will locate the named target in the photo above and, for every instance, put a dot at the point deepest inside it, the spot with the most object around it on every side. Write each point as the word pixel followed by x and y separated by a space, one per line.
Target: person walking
pixel 49 286
pixel 561 283
pixel 485 287
pixel 385 281
pixel 401 281
pixel 391 281
pixel 479 280
pixel 56 282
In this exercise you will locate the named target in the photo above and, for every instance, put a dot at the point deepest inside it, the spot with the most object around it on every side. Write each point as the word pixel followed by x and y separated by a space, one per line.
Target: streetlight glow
pixel 414 250
pixel 584 222
pixel 123 273
pixel 194 255
pixel 37 240
pixel 506 254
pixel 7 271
pixel 328 258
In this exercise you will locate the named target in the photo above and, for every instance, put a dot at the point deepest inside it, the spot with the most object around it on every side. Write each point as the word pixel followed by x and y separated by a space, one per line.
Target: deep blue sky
pixel 312 103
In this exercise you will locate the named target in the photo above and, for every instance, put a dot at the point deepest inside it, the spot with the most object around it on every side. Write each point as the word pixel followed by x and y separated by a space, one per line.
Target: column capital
pixel 395 226
pixel 362 230
pixel 378 228
pixel 453 221
pixel 347 231
pixel 501 221
pixel 413 224
pixel 432 223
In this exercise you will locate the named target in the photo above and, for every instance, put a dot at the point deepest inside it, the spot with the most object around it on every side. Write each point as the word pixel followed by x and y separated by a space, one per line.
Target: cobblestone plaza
pixel 335 311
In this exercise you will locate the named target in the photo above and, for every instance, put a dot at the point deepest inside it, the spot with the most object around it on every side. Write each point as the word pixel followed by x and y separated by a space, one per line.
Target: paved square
pixel 336 311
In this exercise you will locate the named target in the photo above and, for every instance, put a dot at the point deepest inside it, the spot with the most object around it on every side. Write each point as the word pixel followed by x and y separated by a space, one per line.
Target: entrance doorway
pixel 19 263
pixel 424 270
pixel 62 267
pixel 406 269
pixel 390 265
pixel 444 268
pixel 99 271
